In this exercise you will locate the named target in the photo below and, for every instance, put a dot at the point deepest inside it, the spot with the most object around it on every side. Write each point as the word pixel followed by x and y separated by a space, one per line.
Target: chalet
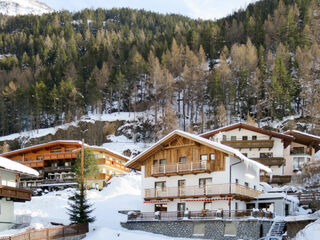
pixel 267 147
pixel 183 172
pixel 54 161
pixel 302 151
pixel 10 190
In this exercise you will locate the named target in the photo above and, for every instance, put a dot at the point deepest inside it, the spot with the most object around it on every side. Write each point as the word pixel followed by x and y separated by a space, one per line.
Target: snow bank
pixel 123 193
pixel 310 232
pixel 17 167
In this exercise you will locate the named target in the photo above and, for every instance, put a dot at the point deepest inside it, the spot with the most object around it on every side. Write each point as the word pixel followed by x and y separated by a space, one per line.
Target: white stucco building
pixel 10 192
pixel 267 147
pixel 183 172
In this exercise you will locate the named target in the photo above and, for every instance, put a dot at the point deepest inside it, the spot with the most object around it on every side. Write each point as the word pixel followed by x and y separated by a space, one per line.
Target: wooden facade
pixel 181 147
pixel 54 161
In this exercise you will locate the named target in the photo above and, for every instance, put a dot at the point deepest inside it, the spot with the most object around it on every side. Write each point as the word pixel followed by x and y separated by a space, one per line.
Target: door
pixel 181 187
pixel 160 189
pixel 204 185
pixel 181 207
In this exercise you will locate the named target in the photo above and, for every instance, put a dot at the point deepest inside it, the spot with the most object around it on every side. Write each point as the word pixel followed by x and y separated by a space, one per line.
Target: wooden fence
pixel 50 233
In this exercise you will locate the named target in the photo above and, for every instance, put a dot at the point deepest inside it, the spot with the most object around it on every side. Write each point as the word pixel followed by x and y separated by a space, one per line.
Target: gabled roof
pixel 285 137
pixel 75 143
pixel 40 146
pixel 13 166
pixel 305 138
pixel 136 162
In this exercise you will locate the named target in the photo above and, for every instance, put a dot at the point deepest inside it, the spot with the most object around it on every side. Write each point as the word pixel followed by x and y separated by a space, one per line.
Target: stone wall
pixel 207 229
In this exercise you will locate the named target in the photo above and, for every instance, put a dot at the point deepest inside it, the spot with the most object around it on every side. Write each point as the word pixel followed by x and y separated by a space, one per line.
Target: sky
pixel 204 9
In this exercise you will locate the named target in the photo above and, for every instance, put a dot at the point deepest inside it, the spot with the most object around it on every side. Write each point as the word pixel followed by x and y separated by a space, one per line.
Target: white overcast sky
pixel 205 9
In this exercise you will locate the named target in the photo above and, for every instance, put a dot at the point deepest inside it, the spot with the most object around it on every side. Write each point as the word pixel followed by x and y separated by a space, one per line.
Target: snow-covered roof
pixel 248 127
pixel 16 167
pixel 207 142
pixel 272 195
pixel 305 138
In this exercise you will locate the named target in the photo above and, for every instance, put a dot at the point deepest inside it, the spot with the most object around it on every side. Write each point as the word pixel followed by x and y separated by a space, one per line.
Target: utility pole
pixel 82 160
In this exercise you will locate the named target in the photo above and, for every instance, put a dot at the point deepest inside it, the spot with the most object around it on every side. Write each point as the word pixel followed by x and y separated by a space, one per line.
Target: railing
pixel 50 233
pixel 58 168
pixel 33 164
pixel 168 169
pixel 192 215
pixel 15 193
pixel 200 191
pixel 58 180
pixel 55 156
pixel 113 164
pixel 249 143
pixel 307 196
pixel 276 179
pixel 272 161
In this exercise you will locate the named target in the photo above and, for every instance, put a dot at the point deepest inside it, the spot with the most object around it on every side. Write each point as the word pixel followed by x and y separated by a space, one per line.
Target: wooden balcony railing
pixel 239 144
pixel 17 194
pixel 272 161
pixel 200 191
pixel 180 168
pixel 58 156
pixel 33 164
pixel 276 179
pixel 114 164
pixel 58 169
pixel 208 214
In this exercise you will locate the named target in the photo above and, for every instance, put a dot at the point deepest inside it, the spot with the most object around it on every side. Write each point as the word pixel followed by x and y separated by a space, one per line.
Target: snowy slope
pixel 124 193
pixel 23 7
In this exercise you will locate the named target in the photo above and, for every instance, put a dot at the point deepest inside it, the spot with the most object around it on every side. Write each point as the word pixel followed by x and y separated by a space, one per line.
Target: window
pixel 245 154
pixel 299 162
pixel 163 161
pixel 207 205
pixel 236 206
pixel 57 150
pixel 233 138
pixel 254 137
pixel 182 159
pixel 266 155
pixel 224 137
pixel 204 181
pixel 39 157
pixel 67 164
pixel 212 156
pixel 255 187
pixel 246 184
pixel 160 207
pixel 298 150
pixel 244 137
pixel 160 185
pixel 237 181
pixel 155 162
pixel 204 157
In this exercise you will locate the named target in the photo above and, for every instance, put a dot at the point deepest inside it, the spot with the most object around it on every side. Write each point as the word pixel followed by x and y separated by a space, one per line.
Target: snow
pixel 23 7
pixel 310 232
pixel 272 195
pixel 232 151
pixel 17 167
pixel 123 193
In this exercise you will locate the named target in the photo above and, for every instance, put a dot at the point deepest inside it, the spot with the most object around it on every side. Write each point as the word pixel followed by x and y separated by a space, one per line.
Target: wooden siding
pixel 183 147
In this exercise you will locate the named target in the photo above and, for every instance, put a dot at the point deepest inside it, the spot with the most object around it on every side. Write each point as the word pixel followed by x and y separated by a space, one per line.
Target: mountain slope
pixel 23 7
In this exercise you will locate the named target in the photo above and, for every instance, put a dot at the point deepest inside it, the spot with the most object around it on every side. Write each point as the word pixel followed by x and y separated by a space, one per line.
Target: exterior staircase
pixel 277 229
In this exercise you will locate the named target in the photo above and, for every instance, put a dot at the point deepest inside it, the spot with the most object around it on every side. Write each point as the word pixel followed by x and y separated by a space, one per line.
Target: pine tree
pixel 79 209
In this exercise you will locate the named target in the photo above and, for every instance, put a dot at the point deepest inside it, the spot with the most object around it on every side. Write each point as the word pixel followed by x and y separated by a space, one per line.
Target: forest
pixel 260 62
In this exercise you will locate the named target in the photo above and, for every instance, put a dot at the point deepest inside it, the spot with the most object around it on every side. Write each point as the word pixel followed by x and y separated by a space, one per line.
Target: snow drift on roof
pixel 220 146
pixel 17 167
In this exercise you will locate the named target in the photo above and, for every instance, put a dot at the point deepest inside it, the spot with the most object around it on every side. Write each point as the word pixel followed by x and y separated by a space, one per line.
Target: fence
pixel 203 215
pixel 50 233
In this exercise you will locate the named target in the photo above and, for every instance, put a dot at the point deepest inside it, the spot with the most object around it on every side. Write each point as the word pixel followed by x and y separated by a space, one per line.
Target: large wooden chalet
pixel 54 161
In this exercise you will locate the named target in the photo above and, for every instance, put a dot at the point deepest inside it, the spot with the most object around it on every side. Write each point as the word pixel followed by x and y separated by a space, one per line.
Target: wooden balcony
pixel 58 156
pixel 16 194
pixel 272 161
pixel 114 164
pixel 239 144
pixel 279 179
pixel 238 191
pixel 58 169
pixel 180 168
pixel 33 164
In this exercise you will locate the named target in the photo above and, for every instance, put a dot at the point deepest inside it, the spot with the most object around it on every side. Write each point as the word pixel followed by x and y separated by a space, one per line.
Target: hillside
pixel 23 7
pixel 190 74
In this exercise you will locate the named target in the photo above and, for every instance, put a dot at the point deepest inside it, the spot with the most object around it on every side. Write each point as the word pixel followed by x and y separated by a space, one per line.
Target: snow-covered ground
pixel 310 232
pixel 124 193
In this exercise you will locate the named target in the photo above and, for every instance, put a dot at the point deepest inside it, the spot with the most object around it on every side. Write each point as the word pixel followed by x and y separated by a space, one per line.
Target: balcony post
pixel 191 166
pixel 177 167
